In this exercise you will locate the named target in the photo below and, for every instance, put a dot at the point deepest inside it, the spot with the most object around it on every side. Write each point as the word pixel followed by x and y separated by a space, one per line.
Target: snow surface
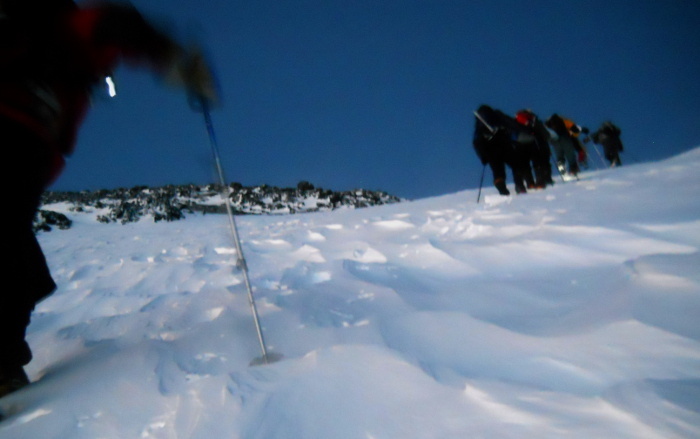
pixel 571 312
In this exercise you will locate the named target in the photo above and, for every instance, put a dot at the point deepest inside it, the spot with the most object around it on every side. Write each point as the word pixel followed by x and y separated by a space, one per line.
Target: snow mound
pixel 570 312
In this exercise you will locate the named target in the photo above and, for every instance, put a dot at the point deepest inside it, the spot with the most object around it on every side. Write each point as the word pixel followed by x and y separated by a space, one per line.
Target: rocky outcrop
pixel 172 203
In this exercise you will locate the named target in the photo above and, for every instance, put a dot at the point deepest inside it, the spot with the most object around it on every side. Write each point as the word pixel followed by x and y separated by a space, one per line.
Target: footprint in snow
pixel 393 225
pixel 269 245
pixel 369 256
pixel 308 253
pixel 315 237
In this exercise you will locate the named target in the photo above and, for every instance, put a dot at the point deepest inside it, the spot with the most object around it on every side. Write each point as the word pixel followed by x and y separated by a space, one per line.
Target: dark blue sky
pixel 380 94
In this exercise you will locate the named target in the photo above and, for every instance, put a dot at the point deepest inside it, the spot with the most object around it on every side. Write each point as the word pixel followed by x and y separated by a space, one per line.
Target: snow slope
pixel 571 312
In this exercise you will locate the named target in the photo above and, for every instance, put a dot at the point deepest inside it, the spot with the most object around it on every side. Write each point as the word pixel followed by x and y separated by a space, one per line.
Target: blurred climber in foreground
pixel 52 55
pixel 608 135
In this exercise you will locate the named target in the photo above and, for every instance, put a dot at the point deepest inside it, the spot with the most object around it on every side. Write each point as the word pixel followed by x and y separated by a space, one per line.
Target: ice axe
pixel 200 103
pixel 481 119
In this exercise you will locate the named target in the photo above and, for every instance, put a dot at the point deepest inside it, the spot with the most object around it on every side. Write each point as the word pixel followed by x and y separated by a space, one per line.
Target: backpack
pixel 612 129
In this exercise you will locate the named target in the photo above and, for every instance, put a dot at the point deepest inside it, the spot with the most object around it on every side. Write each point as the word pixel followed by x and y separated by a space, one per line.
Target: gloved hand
pixel 197 77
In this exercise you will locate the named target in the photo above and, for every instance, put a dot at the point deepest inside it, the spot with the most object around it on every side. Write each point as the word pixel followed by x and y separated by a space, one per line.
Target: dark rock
pixel 47 218
pixel 171 203
pixel 304 186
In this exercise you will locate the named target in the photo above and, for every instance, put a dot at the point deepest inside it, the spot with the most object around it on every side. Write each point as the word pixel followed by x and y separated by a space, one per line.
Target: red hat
pixel 525 117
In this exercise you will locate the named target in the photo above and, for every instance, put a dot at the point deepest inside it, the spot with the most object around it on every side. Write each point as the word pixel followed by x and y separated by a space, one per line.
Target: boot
pixel 530 181
pixel 501 186
pixel 573 169
pixel 12 379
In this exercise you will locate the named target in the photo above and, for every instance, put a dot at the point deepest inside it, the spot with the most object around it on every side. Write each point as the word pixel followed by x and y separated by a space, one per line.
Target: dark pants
pixel 26 275
pixel 612 154
pixel 521 157
pixel 565 151
pixel 498 167
pixel 541 164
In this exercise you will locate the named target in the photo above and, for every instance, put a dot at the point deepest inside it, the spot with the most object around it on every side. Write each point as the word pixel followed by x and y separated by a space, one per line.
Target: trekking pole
pixel 600 156
pixel 483 170
pixel 226 193
pixel 481 183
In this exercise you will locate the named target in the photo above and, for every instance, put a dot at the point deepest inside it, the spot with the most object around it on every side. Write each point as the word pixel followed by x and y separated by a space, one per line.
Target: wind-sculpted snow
pixel 570 312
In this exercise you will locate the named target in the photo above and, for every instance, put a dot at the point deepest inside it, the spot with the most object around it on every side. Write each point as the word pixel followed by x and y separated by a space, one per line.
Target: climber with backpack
pixel 575 132
pixel 567 149
pixel 496 140
pixel 608 135
pixel 537 146
pixel 52 55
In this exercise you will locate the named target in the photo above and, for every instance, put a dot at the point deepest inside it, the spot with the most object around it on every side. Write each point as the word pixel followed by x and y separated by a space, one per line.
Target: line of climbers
pixel 523 143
